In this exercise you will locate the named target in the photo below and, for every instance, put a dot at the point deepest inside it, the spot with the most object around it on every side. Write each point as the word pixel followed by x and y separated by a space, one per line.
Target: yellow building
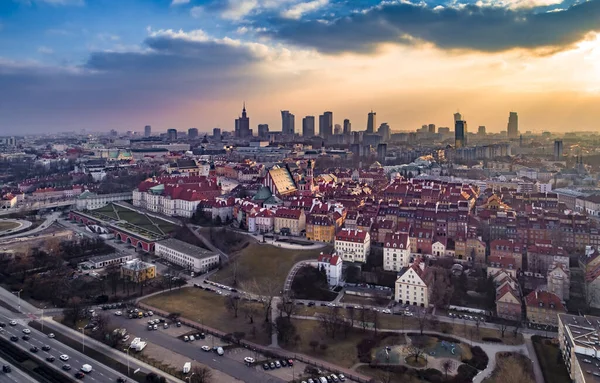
pixel 291 220
pixel 138 271
pixel 320 228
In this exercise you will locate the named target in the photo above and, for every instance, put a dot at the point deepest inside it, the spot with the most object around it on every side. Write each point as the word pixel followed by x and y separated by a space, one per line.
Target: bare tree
pixel 502 326
pixel 232 304
pixel 249 312
pixel 364 317
pixel 287 306
pixel 201 375
pixel 351 315
pixel 332 321
pixel 423 318
pixel 516 328
pixel 414 351
pixel 384 376
pixel 447 366
pixel 266 291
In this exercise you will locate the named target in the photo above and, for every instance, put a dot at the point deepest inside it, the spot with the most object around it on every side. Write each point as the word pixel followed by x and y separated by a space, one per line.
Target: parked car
pixel 277 364
pixel 205 348
pixel 265 366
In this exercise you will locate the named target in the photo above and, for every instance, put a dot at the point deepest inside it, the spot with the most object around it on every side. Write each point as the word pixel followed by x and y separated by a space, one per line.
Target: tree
pixel 314 344
pixel 447 366
pixel 424 319
pixel 218 220
pixel 232 304
pixel 113 274
pixel 415 349
pixel 352 274
pixel 249 312
pixel 266 291
pixel 332 321
pixel 502 326
pixel 442 288
pixel 201 375
pixel 287 306
pixel 285 329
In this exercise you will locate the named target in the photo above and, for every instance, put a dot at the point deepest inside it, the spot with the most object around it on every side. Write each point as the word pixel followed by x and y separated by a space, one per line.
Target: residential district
pixel 368 255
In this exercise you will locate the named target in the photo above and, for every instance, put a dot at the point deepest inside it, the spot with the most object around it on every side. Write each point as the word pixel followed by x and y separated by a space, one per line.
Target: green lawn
pixel 552 366
pixel 263 262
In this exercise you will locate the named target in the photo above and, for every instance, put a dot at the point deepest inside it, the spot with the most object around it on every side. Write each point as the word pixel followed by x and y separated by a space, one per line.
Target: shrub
pixel 464 374
pixel 479 360
pixel 492 340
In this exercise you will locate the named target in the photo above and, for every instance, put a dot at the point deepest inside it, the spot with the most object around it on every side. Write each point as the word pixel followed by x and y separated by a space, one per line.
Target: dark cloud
pixel 469 27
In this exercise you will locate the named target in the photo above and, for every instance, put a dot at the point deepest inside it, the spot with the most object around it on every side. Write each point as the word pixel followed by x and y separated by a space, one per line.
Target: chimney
pixel 536 295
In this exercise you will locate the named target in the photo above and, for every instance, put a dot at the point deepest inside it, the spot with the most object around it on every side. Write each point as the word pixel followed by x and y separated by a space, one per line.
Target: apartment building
pixel 190 257
pixel 413 286
pixel 353 245
pixel 396 251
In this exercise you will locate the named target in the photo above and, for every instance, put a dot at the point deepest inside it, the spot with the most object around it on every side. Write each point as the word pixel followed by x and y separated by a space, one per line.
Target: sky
pixel 105 64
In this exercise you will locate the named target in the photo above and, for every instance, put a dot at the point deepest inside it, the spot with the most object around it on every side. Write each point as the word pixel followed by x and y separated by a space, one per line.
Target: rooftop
pixel 186 248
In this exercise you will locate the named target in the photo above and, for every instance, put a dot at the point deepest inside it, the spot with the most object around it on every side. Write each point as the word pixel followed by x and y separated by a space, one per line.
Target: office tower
pixel 192 133
pixel 242 125
pixel 384 131
pixel 431 128
pixel 147 131
pixel 217 134
pixel 443 130
pixel 371 121
pixel 424 128
pixel 357 137
pixel 308 126
pixel 381 152
pixel 481 130
pixel 326 124
pixel 558 150
pixel 337 129
pixel 457 117
pixel 513 125
pixel 263 130
pixel 172 134
pixel 460 134
pixel 355 149
pixel 347 126
pixel 287 122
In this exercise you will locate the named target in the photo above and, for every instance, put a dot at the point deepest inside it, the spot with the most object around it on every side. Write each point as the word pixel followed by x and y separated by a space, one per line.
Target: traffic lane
pixel 192 350
pixel 15 376
pixel 76 359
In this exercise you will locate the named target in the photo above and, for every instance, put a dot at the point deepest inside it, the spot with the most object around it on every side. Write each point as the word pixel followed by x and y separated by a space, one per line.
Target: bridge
pixel 37 205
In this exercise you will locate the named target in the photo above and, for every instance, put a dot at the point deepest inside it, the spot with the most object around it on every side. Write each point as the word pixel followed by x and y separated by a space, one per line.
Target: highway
pixel 100 372
pixel 15 376
pixel 50 219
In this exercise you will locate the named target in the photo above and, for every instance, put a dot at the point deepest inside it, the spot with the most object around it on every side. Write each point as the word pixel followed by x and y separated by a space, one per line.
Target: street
pixel 15 376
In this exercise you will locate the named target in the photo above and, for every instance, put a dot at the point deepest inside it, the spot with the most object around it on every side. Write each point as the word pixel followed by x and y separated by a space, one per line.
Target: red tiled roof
pixel 288 213
pixel 544 299
pixel 332 259
pixel 397 240
pixel 350 235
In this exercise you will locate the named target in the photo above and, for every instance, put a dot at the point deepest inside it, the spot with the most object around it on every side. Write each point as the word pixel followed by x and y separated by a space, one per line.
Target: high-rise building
pixel 558 150
pixel 337 129
pixel 457 117
pixel 147 131
pixel 513 125
pixel 347 126
pixel 287 122
pixel 308 126
pixel 460 134
pixel 443 130
pixel 217 134
pixel 381 152
pixel 326 124
pixel 384 131
pixel 431 128
pixel 192 133
pixel 263 130
pixel 172 134
pixel 371 121
pixel 242 125
pixel 357 137
pixel 481 130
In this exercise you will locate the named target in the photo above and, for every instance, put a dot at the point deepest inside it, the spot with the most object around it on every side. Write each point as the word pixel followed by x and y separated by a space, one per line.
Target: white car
pixel 249 359
pixel 205 348
pixel 64 357
pixel 118 313
pixel 150 313
pixel 51 335
pixel 26 331
pixel 13 322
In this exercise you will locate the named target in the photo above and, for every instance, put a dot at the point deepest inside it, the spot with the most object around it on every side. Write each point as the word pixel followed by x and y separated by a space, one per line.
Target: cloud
pixel 45 50
pixel 179 2
pixel 516 4
pixel 54 2
pixel 238 10
pixel 298 10
pixel 470 27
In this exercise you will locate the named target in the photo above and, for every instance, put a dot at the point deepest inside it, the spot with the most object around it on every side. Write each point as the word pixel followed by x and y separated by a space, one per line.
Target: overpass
pixel 28 206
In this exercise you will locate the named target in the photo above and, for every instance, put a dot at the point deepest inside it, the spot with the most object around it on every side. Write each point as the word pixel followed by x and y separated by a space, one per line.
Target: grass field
pixel 511 367
pixel 7 225
pixel 263 262
pixel 358 300
pixel 548 355
pixel 137 220
pixel 209 309
pixel 389 377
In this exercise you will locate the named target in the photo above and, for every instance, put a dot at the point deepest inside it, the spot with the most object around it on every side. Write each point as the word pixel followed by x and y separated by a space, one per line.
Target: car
pixel 150 313
pixel 125 338
pixel 14 338
pixel 66 367
pixel 166 326
pixel 51 335
pixel 265 366
pixel 178 324
pixel 118 313
pixel 121 380
pixel 46 347
pixel 64 357
pixel 311 304
pixel 13 322
pixel 2 324
pixel 145 315
pixel 50 359
pixel 272 365
pixel 249 359
pixel 220 351
pixel 25 337
pixel 34 349
pixel 186 338
pixel 290 362
pixel 341 377
pixel 161 320
pixel 201 336
pixel 150 327
pixel 283 363
pixel 155 327
pixel 192 338
pixel 310 380
pixel 277 364
pixel 6 368
pixel 334 378
pixel 205 348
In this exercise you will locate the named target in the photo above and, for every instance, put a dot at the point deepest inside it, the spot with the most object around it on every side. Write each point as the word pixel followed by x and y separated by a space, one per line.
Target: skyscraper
pixel 513 125
pixel 384 131
pixel 242 125
pixel 457 117
pixel 481 130
pixel 558 150
pixel 308 126
pixel 431 128
pixel 371 121
pixel 326 124
pixel 347 126
pixel 192 133
pixel 147 131
pixel 263 130
pixel 381 152
pixel 172 134
pixel 287 122
pixel 460 134
pixel 217 134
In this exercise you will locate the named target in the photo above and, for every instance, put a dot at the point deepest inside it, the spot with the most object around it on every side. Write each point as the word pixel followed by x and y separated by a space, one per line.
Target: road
pixel 15 376
pixel 30 205
pixel 50 219
pixel 231 367
pixel 100 372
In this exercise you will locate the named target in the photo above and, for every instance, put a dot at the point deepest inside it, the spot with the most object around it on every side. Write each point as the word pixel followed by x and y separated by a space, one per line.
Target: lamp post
pixel 127 351
pixel 18 297
pixel 43 308
pixel 82 340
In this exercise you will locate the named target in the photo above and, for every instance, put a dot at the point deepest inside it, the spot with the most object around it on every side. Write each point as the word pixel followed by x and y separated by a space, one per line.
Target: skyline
pixel 97 65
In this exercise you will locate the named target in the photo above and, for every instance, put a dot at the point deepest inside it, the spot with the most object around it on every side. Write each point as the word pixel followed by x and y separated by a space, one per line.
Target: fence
pixel 269 352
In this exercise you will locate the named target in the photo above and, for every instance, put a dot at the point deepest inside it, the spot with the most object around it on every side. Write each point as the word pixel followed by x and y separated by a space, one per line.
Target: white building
pixel 396 251
pixel 90 201
pixel 191 257
pixel 413 286
pixel 353 245
pixel 101 261
pixel 332 264
pixel 559 280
